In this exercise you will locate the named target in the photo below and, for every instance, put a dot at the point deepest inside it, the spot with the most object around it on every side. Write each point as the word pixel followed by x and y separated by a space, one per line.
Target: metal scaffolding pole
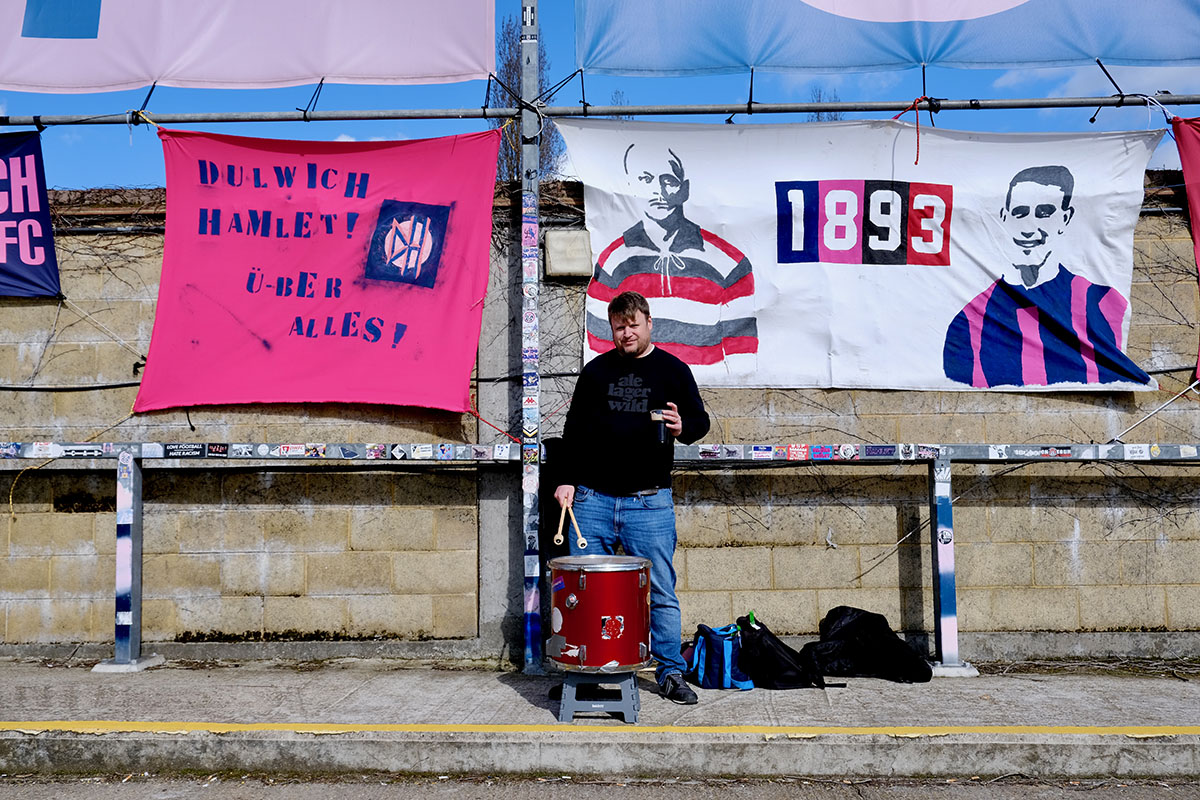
pixel 725 109
pixel 531 130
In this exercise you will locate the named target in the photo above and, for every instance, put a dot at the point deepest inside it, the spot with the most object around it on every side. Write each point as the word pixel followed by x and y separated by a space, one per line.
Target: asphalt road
pixel 392 787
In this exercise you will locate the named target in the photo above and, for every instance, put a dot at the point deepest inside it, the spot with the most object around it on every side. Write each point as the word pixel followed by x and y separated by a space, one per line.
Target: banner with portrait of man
pixel 837 255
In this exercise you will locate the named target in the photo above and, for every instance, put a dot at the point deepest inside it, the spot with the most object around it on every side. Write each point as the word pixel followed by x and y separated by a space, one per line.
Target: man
pixel 618 461
pixel 708 321
pixel 1040 323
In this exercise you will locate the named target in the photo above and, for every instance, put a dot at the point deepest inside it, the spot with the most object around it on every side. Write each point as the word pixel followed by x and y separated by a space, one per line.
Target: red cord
pixel 475 414
pixel 555 411
pixel 913 107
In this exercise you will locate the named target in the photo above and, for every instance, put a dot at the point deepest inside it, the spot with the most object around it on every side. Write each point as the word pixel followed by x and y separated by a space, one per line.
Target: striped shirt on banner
pixel 701 294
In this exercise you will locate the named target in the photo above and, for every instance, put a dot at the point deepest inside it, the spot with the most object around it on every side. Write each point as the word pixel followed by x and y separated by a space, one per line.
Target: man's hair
pixel 1047 176
pixel 626 305
pixel 674 162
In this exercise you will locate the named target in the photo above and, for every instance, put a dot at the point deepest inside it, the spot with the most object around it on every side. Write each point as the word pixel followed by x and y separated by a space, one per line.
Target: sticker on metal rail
pixel 81 451
pixel 797 452
pixel 184 450
pixel 1137 452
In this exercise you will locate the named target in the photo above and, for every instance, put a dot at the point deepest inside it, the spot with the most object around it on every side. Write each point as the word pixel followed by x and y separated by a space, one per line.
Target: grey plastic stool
pixel 624 701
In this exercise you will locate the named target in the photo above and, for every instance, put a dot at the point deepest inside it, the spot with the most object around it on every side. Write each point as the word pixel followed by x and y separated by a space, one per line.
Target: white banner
pixel 820 255
pixel 84 46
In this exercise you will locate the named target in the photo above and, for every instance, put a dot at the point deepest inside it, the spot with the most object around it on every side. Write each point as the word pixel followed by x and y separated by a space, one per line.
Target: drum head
pixel 598 563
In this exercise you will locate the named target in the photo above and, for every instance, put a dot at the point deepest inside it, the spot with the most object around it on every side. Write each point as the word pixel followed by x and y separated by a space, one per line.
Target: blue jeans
pixel 644 525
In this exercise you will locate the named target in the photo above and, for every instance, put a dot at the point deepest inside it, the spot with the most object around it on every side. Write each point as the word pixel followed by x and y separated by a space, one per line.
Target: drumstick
pixel 562 516
pixel 580 542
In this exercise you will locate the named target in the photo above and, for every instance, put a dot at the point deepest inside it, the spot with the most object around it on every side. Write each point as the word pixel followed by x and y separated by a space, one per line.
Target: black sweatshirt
pixel 610 442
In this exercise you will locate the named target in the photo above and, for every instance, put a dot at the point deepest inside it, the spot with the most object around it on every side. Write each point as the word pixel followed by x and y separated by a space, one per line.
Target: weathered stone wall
pixel 327 551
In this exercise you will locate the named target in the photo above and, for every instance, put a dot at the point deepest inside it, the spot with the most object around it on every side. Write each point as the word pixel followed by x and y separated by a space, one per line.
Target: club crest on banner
pixel 407 245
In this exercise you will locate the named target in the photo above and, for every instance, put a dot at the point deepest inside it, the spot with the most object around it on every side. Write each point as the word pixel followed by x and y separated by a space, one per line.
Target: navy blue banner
pixel 28 265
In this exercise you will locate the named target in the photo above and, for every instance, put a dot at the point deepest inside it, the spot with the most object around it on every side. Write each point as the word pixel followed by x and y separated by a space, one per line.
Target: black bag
pixel 860 644
pixel 770 662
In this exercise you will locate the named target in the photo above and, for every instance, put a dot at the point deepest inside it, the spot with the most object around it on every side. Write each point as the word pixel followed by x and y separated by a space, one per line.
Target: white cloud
pixel 1091 81
pixel 880 82
pixel 799 85
pixel 1024 77
pixel 345 137
pixel 1166 156
pixel 3 109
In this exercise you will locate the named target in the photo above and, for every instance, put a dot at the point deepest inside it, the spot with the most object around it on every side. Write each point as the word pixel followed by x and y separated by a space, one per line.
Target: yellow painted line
pixel 116 726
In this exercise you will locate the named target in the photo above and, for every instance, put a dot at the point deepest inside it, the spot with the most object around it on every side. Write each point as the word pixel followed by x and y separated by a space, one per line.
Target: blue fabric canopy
pixel 696 37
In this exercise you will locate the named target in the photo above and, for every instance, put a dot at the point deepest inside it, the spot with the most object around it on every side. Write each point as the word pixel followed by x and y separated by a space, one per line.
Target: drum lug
pixel 643 651
pixel 571 601
pixel 582 580
pixel 582 653
pixel 642 580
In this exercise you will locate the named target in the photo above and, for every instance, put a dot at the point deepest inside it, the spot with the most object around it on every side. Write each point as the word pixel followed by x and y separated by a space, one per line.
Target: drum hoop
pixel 599 563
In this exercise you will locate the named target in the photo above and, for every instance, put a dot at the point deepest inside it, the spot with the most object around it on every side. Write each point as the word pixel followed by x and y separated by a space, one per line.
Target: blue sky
pixel 114 155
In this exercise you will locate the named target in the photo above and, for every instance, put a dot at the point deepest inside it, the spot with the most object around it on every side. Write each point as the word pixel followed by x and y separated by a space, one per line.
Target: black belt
pixel 639 493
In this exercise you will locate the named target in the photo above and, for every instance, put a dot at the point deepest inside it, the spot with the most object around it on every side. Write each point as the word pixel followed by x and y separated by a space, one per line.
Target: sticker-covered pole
pixel 945 603
pixel 528 302
pixel 128 584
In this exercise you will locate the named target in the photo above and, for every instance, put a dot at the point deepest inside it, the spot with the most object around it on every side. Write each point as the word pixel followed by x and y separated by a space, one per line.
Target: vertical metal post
pixel 128 585
pixel 530 123
pixel 945 602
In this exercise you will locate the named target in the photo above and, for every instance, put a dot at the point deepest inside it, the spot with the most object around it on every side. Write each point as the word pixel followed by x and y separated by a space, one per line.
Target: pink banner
pixel 1187 139
pixel 346 272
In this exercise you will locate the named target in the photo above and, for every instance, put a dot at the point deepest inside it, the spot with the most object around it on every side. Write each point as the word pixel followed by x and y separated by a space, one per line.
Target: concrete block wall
pixel 248 556
pixel 332 552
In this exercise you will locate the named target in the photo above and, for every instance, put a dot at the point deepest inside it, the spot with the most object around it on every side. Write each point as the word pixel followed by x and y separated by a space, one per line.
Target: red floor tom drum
pixel 600 613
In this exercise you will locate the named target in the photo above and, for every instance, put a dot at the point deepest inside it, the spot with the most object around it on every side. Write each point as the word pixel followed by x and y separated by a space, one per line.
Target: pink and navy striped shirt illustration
pixel 1066 330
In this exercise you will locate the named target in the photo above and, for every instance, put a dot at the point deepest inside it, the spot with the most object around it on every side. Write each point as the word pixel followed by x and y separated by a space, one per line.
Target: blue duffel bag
pixel 713 660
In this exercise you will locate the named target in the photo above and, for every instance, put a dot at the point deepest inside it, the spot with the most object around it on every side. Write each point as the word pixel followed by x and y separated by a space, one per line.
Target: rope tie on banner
pixel 141 116
pixel 915 107
pixel 536 106
pixel 312 101
pixel 1151 104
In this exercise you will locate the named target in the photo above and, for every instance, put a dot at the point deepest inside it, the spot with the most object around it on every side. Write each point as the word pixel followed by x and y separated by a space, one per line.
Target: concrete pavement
pixel 394 716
